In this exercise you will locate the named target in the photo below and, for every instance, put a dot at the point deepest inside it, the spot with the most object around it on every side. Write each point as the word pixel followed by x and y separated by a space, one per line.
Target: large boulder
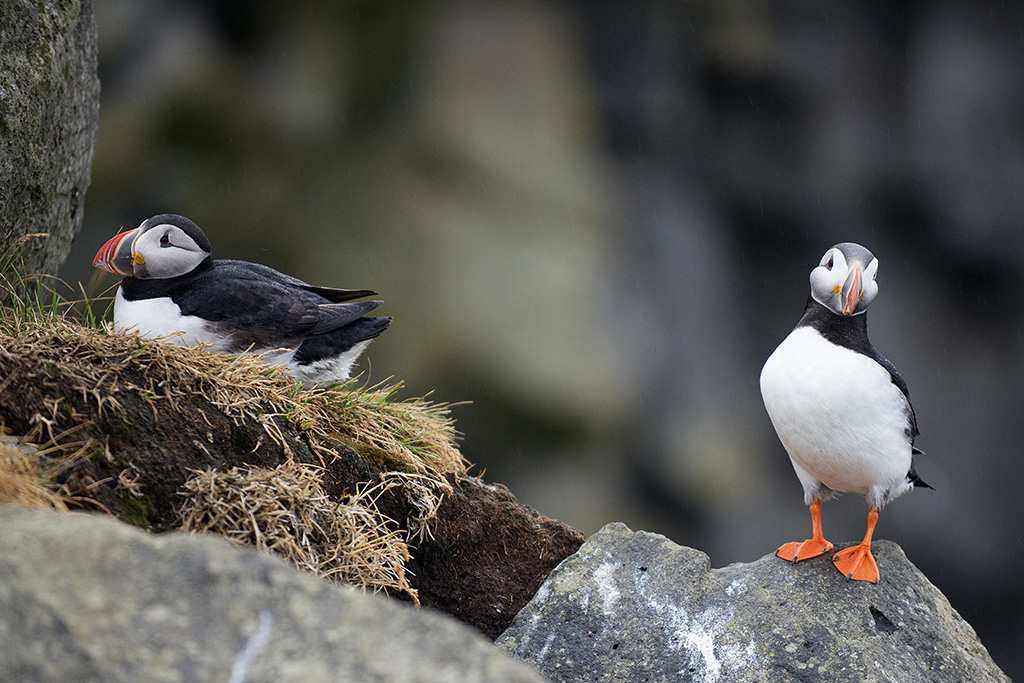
pixel 85 598
pixel 635 606
pixel 49 113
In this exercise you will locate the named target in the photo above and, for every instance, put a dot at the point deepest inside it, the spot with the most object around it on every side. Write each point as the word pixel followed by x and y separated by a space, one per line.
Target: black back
pixel 255 305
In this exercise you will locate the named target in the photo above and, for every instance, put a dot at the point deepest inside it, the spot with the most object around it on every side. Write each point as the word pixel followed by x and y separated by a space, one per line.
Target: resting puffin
pixel 175 290
pixel 841 410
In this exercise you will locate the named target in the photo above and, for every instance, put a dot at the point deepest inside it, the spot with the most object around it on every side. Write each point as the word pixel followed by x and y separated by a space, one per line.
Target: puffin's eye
pixel 831 262
pixel 165 241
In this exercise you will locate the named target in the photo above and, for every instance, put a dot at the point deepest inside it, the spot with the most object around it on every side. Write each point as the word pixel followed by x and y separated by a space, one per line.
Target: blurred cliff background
pixel 593 221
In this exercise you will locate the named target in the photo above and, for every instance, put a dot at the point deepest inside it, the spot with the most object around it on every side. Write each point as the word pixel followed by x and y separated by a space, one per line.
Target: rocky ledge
pixel 86 598
pixel 633 606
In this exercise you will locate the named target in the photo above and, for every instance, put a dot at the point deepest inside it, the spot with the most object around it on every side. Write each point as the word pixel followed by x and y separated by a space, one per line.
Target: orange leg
pixel 812 547
pixel 856 562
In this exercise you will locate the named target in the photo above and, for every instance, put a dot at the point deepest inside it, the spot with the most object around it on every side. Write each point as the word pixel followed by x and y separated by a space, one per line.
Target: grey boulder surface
pixel 49 115
pixel 634 606
pixel 87 598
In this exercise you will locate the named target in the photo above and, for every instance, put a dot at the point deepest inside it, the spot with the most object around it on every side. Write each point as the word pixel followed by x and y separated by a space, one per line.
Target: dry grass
pixel 29 472
pixel 22 480
pixel 406 435
pixel 285 510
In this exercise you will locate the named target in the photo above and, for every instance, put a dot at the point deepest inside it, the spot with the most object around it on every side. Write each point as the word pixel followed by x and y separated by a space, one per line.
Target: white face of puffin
pixel 163 246
pixel 165 250
pixel 844 281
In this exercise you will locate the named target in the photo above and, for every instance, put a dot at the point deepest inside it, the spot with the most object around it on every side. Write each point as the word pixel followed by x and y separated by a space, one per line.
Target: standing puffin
pixel 841 410
pixel 173 289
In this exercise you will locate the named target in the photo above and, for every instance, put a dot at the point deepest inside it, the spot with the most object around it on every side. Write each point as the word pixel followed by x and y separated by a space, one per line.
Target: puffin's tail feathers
pixel 373 327
pixel 339 341
pixel 912 475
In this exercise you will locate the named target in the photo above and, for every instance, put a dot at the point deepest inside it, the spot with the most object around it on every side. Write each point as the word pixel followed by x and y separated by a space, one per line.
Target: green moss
pixel 119 434
pixel 65 416
pixel 136 511
pixel 51 370
pixel 96 454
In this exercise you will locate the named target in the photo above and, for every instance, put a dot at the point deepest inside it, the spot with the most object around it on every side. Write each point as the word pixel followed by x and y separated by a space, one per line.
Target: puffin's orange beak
pixel 851 291
pixel 116 255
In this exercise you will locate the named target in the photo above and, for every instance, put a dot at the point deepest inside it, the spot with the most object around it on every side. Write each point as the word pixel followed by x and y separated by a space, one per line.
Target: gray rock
pixel 637 607
pixel 49 113
pixel 85 598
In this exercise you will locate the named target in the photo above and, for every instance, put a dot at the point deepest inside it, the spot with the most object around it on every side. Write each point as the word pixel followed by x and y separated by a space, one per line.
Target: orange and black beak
pixel 117 255
pixel 852 292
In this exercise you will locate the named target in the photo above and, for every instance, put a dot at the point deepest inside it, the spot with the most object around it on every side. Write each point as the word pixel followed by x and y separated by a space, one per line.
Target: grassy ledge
pixel 282 509
pixel 410 435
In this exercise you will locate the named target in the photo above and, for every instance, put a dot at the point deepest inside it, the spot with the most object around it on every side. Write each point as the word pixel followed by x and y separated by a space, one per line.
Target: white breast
pixel 839 416
pixel 161 318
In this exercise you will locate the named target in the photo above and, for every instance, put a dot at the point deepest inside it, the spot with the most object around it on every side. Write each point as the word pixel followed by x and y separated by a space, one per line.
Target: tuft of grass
pixel 33 296
pixel 286 511
pixel 29 472
pixel 23 480
pixel 406 435
pixel 12 263
pixel 412 435
pixel 18 289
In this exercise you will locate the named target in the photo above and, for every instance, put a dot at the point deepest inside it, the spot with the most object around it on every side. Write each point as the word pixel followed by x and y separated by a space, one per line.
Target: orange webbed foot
pixel 857 564
pixel 797 551
pixel 813 547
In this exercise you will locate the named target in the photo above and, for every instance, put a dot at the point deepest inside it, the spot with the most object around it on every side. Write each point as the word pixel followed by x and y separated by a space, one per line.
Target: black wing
pixel 898 380
pixel 262 308
pixel 332 294
pixel 912 430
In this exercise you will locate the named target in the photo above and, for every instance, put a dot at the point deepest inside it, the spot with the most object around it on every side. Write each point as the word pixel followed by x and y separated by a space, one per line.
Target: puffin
pixel 174 290
pixel 841 410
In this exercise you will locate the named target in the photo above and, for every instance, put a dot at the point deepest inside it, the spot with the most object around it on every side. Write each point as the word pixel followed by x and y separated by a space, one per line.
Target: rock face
pixel 489 555
pixel 86 598
pixel 49 112
pixel 635 606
